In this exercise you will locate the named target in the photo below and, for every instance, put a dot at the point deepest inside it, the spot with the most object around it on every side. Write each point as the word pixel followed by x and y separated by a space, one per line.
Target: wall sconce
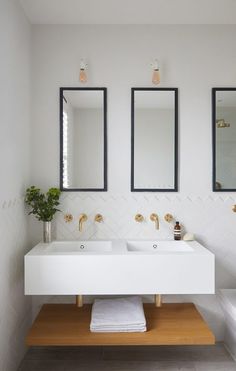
pixel 82 73
pixel 156 79
pixel 222 124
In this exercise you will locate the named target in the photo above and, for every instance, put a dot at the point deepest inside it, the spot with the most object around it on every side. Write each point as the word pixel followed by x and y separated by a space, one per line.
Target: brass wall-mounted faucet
pixel 154 218
pixel 82 218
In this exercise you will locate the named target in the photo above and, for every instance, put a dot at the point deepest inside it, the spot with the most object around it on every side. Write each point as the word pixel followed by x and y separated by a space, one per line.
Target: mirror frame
pixel 104 189
pixel 175 187
pixel 214 189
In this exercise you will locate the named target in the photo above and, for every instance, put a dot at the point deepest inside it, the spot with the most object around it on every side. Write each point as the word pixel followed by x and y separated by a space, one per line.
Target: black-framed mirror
pixel 83 139
pixel 154 139
pixel 224 139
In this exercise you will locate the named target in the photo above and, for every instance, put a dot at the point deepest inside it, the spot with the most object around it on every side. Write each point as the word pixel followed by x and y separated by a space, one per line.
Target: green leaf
pixel 43 205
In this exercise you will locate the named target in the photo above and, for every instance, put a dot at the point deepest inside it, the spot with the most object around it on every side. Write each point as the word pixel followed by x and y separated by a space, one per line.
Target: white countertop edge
pixel 118 248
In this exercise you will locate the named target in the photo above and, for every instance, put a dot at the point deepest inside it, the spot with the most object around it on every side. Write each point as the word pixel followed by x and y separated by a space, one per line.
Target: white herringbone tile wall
pixel 15 308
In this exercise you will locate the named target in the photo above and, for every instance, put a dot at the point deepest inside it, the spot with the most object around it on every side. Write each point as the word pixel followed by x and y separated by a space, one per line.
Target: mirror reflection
pixel 83 139
pixel 224 145
pixel 154 139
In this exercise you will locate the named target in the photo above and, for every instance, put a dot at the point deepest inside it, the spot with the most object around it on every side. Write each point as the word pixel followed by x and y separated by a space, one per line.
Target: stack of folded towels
pixel 118 315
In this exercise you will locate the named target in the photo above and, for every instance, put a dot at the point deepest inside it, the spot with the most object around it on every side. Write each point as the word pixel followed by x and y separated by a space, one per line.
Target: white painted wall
pixel 192 58
pixel 15 308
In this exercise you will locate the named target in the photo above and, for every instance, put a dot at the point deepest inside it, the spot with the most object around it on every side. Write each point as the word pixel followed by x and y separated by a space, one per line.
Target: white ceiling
pixel 130 11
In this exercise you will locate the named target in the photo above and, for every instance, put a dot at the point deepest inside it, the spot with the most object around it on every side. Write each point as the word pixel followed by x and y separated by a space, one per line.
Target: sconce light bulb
pixel 82 75
pixel 156 79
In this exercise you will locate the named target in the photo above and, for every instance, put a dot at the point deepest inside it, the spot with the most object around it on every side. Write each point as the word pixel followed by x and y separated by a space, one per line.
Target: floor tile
pixel 89 365
pixel 155 358
pixel 168 353
pixel 128 366
pixel 214 353
pixel 42 365
pixel 64 353
pixel 215 366
pixel 145 354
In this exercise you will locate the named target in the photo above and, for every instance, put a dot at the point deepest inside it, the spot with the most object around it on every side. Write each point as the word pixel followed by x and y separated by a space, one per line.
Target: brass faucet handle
pixel 168 218
pixel 98 218
pixel 68 218
pixel 139 218
pixel 234 208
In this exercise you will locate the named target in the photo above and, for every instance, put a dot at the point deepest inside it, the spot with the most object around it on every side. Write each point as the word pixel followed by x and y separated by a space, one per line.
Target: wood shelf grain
pixel 68 325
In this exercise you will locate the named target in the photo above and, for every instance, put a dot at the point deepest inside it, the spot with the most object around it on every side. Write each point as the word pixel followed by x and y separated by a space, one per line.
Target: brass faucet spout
pixel 83 218
pixel 154 218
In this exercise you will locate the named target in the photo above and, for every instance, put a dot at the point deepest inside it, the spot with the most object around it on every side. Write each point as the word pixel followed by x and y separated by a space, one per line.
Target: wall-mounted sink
pixel 119 267
pixel 66 247
pixel 159 246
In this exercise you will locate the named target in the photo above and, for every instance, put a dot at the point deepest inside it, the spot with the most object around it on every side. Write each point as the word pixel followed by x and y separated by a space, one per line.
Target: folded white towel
pixel 115 329
pixel 118 315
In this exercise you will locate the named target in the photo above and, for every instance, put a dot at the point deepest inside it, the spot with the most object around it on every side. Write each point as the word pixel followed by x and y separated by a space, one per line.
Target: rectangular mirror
pixel 154 139
pixel 224 139
pixel 83 139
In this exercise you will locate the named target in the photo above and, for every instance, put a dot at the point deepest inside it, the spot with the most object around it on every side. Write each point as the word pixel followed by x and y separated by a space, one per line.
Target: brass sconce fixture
pixel 82 73
pixel 156 78
pixel 221 124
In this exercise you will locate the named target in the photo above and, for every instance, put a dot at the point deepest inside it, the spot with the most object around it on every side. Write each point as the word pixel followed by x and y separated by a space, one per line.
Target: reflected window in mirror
pixel 154 140
pixel 224 139
pixel 83 139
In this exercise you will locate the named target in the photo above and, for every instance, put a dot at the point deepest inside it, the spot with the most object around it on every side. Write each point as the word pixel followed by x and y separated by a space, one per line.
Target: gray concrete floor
pixel 172 358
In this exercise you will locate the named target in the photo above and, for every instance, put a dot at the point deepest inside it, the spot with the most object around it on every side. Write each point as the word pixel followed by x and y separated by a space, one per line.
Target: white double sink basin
pixel 100 247
pixel 119 268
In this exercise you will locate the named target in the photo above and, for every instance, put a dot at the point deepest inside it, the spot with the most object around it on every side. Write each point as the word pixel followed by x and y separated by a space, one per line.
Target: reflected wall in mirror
pixel 154 139
pixel 224 139
pixel 83 139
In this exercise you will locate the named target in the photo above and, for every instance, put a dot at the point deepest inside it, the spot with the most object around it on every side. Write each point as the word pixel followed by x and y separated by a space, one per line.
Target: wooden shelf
pixel 68 325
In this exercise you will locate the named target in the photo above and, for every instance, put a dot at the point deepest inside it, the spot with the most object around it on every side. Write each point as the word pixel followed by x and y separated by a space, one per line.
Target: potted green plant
pixel 44 207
